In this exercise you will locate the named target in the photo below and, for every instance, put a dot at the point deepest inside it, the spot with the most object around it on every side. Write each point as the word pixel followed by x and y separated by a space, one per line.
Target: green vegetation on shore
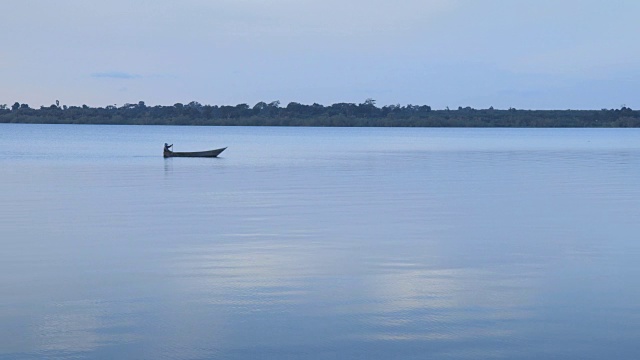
pixel 296 114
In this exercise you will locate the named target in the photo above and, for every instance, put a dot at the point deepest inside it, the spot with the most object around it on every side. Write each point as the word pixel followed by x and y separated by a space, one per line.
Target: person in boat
pixel 167 147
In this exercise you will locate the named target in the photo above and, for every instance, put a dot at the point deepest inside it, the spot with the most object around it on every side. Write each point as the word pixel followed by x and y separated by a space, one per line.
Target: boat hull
pixel 206 154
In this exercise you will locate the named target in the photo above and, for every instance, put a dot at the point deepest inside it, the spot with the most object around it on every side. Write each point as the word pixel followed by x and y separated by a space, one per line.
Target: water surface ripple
pixel 319 243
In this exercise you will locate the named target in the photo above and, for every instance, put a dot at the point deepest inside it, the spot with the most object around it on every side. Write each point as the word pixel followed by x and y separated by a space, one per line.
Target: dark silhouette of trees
pixel 297 114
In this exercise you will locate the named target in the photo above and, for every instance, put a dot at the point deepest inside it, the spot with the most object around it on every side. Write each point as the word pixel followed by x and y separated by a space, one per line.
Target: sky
pixel 526 54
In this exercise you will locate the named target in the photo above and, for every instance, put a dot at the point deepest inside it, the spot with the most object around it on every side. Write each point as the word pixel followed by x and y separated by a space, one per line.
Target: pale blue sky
pixel 542 54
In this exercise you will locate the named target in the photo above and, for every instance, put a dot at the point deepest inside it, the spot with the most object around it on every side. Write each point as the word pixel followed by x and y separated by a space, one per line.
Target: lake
pixel 319 243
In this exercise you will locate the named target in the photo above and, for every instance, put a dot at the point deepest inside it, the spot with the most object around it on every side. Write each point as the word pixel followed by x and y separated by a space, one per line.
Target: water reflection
pixel 81 326
pixel 249 272
pixel 451 243
pixel 65 330
pixel 416 303
pixel 309 286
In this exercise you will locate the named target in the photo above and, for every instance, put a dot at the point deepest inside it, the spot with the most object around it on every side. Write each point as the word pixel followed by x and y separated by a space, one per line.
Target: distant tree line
pixel 296 114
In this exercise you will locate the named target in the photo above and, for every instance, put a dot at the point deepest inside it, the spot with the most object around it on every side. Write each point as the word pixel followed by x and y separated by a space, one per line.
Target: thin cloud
pixel 115 75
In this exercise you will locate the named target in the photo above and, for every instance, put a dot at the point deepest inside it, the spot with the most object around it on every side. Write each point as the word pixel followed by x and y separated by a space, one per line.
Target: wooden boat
pixel 209 153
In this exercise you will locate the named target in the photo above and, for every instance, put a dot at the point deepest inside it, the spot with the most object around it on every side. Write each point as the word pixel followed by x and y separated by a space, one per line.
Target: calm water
pixel 319 243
